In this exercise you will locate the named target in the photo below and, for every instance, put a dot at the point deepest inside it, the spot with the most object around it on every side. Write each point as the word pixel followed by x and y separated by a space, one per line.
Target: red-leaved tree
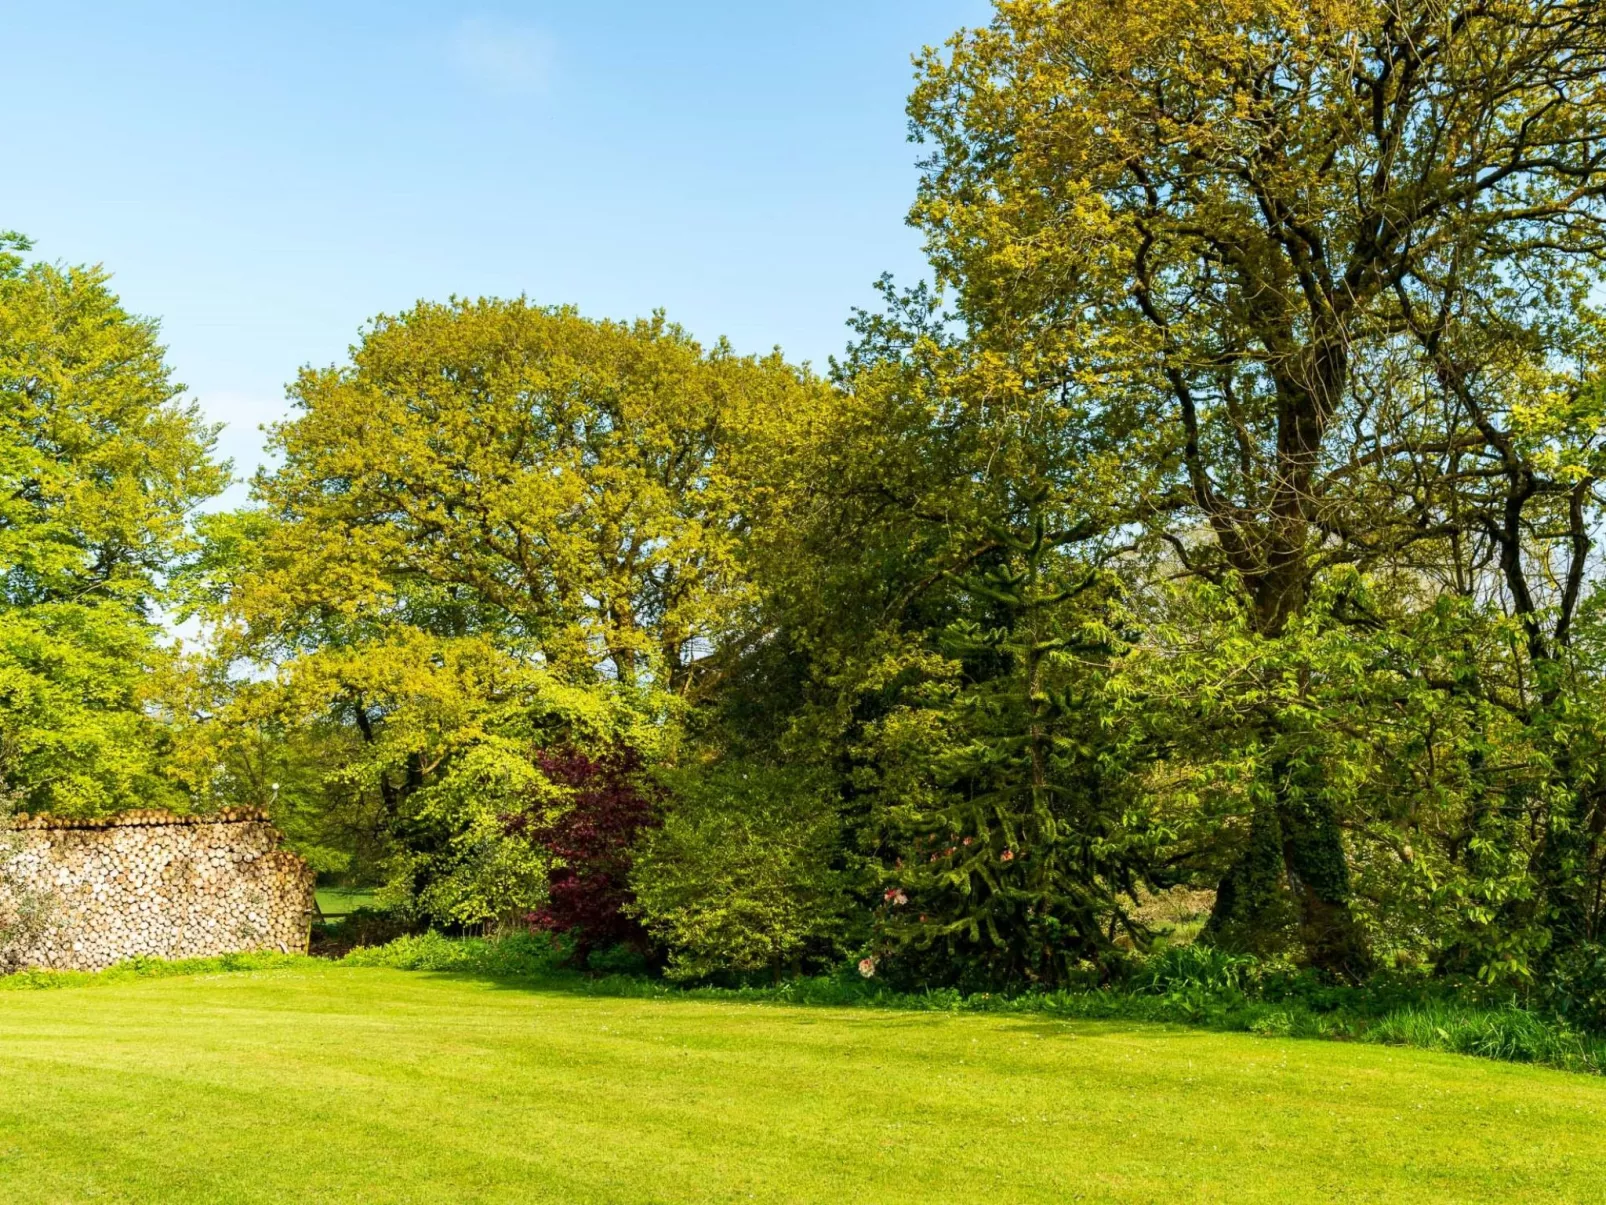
pixel 591 841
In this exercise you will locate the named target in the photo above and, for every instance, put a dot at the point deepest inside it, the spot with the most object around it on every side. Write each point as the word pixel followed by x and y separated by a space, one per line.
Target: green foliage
pixel 1512 1035
pixel 513 954
pixel 100 467
pixel 1341 321
pixel 563 486
pixel 1201 970
pixel 1574 987
pixel 501 529
pixel 1222 519
pixel 745 871
pixel 1000 788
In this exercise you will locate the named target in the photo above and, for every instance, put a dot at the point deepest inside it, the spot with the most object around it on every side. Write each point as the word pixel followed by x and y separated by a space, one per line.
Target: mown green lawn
pixel 337 1084
pixel 342 901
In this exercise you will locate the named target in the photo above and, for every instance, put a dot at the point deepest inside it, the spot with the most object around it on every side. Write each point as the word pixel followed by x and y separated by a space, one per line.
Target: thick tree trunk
pixel 1291 882
pixel 1253 913
pixel 1318 873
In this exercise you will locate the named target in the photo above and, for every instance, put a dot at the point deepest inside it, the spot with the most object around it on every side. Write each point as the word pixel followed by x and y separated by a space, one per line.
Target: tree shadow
pixel 884 1009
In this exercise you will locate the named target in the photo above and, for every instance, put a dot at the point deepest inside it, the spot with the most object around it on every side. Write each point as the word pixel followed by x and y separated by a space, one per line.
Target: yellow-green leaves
pixel 100 466
pixel 577 487
pixel 500 528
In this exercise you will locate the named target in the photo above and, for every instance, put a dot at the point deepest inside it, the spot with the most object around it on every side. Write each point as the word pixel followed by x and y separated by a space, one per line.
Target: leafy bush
pixel 1575 988
pixel 617 960
pixel 742 875
pixel 517 954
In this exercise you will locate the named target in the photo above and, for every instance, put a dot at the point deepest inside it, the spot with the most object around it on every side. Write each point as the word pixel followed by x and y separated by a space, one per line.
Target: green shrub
pixel 621 959
pixel 741 876
pixel 1195 971
pixel 526 954
pixel 1575 987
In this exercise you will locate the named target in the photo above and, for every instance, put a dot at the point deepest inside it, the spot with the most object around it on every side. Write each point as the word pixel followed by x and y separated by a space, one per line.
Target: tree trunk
pixel 1318 873
pixel 1253 913
pixel 1294 862
pixel 1291 881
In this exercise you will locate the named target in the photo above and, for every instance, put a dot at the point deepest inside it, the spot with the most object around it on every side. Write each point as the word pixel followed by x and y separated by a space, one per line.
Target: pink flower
pixel 1006 856
pixel 867 967
pixel 900 899
pixel 966 841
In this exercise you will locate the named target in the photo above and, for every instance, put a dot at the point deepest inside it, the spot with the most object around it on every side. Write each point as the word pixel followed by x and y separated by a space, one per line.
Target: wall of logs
pixel 153 884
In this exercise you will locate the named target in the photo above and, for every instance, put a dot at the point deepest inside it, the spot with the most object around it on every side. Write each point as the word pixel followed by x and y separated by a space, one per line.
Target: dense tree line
pixel 1221 518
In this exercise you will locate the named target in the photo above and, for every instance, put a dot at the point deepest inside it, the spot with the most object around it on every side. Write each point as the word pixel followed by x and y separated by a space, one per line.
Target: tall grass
pixel 1512 1034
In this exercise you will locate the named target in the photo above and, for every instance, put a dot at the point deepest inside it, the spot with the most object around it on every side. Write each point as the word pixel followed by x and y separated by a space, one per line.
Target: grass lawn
pixel 342 901
pixel 337 1084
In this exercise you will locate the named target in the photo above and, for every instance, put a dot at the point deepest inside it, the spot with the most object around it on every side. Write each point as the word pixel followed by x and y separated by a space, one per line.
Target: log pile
pixel 153 884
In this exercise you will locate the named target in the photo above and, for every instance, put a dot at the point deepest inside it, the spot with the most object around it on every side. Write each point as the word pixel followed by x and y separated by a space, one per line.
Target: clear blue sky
pixel 263 178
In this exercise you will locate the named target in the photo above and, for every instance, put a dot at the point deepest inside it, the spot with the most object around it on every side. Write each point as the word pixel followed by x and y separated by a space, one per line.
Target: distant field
pixel 340 1084
pixel 342 901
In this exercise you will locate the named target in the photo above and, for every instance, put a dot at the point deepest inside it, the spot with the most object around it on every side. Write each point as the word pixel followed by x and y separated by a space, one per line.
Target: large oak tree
pixel 1239 224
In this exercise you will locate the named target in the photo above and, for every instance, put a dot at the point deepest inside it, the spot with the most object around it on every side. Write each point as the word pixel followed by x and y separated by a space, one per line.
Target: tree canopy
pixel 1220 518
pixel 101 465
pixel 1291 264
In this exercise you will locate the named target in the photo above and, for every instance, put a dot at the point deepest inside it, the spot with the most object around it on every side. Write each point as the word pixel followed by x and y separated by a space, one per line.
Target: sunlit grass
pixel 329 1083
pixel 342 901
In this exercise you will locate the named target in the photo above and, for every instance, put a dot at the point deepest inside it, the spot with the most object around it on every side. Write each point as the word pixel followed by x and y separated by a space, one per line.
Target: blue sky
pixel 266 177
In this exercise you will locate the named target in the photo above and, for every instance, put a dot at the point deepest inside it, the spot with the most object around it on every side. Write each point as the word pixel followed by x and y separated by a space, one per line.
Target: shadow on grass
pixel 889 1011
pixel 1505 1033
pixel 527 964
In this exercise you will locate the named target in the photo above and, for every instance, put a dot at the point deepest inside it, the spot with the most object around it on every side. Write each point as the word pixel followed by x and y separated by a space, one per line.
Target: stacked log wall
pixel 153 884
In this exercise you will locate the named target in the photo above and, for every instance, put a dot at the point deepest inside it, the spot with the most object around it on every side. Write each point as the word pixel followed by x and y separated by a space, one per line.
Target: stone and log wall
pixel 152 884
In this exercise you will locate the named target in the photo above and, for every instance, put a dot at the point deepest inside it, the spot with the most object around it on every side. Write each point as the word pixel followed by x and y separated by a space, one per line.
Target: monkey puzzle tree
pixel 1000 785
